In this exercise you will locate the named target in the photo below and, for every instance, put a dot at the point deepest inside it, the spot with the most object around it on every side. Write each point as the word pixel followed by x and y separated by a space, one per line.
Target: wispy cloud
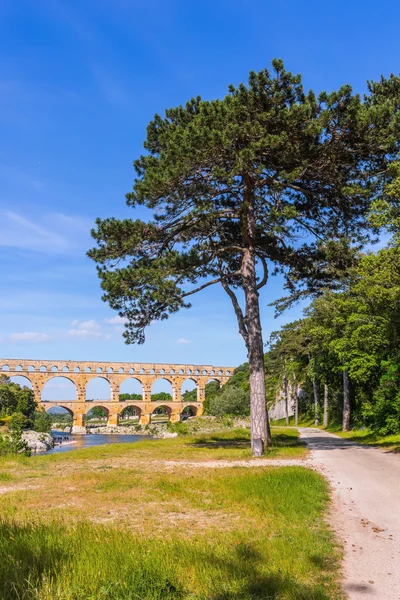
pixel 87 330
pixel 52 234
pixel 117 320
pixel 29 336
pixel 183 341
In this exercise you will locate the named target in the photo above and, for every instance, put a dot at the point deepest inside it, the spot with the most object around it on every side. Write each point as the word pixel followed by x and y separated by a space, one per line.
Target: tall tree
pixel 269 175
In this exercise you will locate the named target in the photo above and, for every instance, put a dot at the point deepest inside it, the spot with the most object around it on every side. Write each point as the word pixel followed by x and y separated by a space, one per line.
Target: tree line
pixel 344 355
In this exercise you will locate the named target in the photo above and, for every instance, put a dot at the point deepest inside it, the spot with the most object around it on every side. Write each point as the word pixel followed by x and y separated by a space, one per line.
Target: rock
pixel 38 442
pixel 167 434
pixel 78 429
pixel 60 427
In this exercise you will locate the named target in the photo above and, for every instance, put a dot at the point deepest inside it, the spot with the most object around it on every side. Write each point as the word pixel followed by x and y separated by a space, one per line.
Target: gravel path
pixel 366 512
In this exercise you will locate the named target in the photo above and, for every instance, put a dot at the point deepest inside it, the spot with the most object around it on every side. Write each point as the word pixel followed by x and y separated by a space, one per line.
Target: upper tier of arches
pixel 8 365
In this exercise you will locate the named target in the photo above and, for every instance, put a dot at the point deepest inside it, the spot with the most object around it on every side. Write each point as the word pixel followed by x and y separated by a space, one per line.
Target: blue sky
pixel 79 82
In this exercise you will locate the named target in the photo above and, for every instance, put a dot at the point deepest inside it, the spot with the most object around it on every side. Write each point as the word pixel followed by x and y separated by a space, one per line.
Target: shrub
pixel 14 444
pixel 42 422
pixel 179 427
pixel 233 401
pixel 18 422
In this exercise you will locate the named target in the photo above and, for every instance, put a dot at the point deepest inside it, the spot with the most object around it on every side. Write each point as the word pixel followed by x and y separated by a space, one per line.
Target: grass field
pixel 124 522
pixel 366 436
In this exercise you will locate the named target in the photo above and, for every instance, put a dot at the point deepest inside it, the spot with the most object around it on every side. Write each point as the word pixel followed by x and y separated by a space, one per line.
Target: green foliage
pixel 97 412
pixel 60 417
pixel 42 422
pixel 19 422
pixel 232 401
pixel 130 397
pixel 178 427
pixel 269 175
pixel 357 330
pixel 161 397
pixel 14 444
pixel 14 398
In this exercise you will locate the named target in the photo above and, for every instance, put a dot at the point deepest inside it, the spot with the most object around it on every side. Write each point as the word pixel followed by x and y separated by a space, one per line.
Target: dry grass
pixel 117 523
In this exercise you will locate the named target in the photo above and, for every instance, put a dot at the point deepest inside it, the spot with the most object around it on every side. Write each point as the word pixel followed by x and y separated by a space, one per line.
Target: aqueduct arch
pixel 115 373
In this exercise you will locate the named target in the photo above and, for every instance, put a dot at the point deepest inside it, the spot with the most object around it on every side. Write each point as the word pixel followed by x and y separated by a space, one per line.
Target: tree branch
pixel 265 275
pixel 212 282
pixel 238 311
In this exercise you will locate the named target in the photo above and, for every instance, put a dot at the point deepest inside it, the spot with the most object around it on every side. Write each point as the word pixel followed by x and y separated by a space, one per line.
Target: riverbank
pixel 131 521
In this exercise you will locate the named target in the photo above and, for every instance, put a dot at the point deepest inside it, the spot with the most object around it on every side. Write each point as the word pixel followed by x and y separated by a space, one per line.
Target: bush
pixel 42 422
pixel 179 427
pixel 233 401
pixel 14 444
pixel 18 422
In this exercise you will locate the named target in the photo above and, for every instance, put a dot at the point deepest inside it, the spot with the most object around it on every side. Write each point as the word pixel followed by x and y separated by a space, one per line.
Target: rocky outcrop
pixel 38 442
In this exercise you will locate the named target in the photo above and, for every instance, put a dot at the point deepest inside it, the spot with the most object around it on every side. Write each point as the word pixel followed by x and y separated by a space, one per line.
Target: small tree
pixel 42 422
pixel 231 402
pixel 266 176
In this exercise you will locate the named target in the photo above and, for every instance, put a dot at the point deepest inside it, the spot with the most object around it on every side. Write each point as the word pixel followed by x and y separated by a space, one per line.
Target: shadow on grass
pixel 242 442
pixel 216 441
pixel 37 561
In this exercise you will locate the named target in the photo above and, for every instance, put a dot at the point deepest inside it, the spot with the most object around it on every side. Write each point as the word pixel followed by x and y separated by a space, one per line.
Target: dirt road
pixel 366 512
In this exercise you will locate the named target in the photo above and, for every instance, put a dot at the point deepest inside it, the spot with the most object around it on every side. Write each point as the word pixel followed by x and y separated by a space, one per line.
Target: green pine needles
pixel 268 177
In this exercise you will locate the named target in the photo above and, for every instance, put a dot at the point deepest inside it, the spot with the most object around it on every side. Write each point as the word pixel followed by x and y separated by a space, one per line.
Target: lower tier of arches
pixel 115 413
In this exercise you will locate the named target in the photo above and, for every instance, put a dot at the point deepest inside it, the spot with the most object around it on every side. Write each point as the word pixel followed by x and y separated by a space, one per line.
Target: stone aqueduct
pixel 80 373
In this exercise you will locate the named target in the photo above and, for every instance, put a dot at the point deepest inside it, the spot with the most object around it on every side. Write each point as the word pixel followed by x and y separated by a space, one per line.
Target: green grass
pixel 369 437
pixel 302 422
pixel 252 535
pixel 115 522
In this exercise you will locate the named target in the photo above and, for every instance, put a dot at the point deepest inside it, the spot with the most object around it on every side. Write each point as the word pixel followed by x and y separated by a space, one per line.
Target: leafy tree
pixel 16 399
pixel 130 397
pixel 161 397
pixel 18 422
pixel 42 422
pixel 267 176
pixel 231 402
pixel 97 412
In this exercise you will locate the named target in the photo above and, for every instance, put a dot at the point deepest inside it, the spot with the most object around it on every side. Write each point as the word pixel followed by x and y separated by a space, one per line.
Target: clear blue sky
pixel 79 82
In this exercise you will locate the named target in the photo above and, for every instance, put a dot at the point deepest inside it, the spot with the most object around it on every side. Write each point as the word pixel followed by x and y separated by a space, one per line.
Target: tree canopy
pixel 268 177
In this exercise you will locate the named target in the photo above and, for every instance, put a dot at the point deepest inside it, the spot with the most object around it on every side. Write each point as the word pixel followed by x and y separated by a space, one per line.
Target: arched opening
pixel 131 389
pixel 96 417
pixel 130 415
pixel 188 411
pixel 61 418
pixel 189 391
pixel 21 380
pixel 161 391
pixel 5 368
pixel 58 388
pixel 98 389
pixel 161 414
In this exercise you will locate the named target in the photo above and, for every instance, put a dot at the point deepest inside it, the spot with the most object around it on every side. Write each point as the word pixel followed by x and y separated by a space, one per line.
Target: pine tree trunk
pixel 296 401
pixel 259 422
pixel 346 401
pixel 286 391
pixel 326 405
pixel 260 433
pixel 315 390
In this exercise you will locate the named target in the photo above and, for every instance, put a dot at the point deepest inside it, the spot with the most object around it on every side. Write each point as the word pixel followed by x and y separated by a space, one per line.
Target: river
pixel 93 439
